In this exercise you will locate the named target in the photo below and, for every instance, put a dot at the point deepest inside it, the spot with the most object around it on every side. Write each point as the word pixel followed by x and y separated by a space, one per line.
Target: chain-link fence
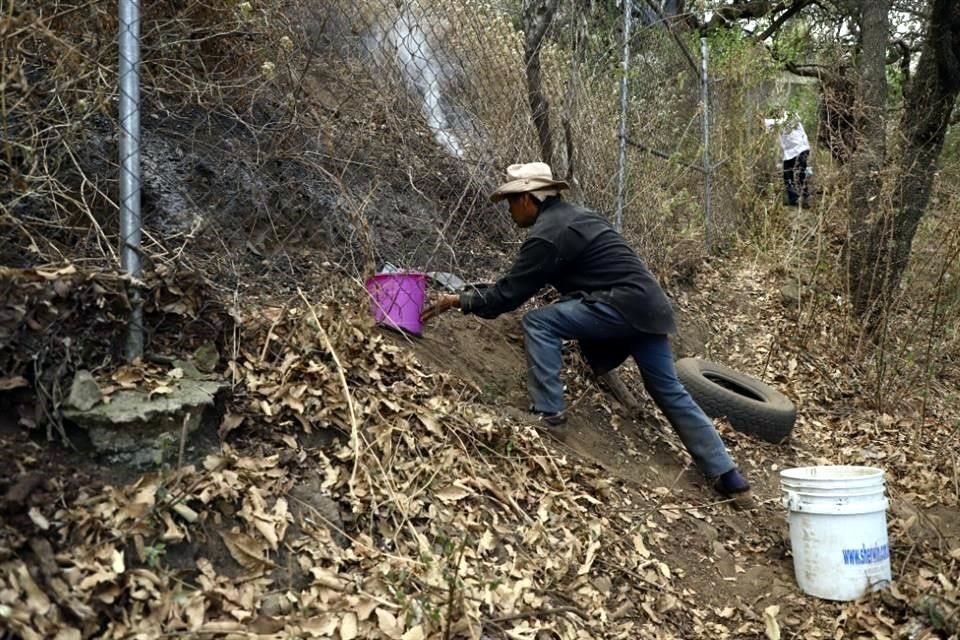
pixel 280 138
pixel 444 85
pixel 423 104
pixel 284 139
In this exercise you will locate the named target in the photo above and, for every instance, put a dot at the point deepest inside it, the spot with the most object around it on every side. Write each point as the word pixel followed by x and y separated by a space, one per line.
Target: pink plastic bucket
pixel 396 299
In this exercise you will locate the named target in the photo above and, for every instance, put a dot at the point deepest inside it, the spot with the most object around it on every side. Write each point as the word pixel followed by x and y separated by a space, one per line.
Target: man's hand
pixel 442 304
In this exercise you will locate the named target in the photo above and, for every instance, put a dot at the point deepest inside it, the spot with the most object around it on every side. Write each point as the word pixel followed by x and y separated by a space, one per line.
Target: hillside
pixel 342 480
pixel 414 503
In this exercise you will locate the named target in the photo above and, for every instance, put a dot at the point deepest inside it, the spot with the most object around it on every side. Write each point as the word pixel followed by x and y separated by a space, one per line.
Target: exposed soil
pixel 729 558
pixel 710 542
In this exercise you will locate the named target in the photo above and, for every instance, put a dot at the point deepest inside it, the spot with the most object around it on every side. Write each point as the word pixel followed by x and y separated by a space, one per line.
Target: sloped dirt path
pixel 738 563
pixel 730 560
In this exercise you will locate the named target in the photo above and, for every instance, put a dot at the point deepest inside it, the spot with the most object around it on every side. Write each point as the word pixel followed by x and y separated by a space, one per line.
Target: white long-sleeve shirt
pixel 793 139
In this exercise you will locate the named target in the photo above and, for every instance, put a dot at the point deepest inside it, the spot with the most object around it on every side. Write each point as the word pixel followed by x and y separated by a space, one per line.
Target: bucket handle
pixel 791 500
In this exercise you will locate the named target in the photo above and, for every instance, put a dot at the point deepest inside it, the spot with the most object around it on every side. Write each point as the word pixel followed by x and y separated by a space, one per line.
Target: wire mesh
pixel 280 139
pixel 406 116
pixel 283 139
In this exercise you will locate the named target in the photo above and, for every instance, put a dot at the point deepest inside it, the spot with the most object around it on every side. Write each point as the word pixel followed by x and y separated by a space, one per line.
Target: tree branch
pixel 541 24
pixel 796 7
pixel 537 613
pixel 676 38
pixel 817 71
pixel 739 10
pixel 538 16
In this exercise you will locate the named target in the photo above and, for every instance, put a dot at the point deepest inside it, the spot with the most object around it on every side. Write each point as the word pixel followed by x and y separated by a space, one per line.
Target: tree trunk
pixel 929 104
pixel 866 165
pixel 537 16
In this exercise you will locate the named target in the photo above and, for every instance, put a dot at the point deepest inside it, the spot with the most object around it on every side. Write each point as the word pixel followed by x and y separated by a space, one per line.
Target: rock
pixel 790 293
pixel 206 357
pixel 141 430
pixel 275 604
pixel 84 391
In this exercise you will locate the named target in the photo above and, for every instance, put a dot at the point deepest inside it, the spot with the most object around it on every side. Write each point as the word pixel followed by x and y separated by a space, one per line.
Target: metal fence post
pixel 622 168
pixel 129 178
pixel 707 169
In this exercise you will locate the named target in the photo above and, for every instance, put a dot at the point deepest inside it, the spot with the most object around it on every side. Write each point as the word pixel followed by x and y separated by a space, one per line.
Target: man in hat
pixel 611 304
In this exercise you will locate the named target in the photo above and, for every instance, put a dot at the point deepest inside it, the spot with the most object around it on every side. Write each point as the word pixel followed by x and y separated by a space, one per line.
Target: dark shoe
pixel 733 485
pixel 552 419
pixel 730 483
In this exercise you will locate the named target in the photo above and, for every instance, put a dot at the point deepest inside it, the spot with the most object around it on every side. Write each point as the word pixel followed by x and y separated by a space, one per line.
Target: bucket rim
pixel 386 275
pixel 832 473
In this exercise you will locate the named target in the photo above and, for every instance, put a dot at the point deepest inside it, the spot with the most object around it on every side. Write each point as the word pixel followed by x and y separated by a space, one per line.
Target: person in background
pixel 611 304
pixel 796 153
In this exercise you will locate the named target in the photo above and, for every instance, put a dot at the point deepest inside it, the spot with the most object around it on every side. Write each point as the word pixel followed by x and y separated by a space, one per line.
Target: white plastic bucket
pixel 838 530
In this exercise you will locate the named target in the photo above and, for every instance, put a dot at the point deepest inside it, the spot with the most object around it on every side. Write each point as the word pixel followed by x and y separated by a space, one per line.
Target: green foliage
pixel 154 553
pixel 896 84
pixel 803 101
pixel 951 146
pixel 733 53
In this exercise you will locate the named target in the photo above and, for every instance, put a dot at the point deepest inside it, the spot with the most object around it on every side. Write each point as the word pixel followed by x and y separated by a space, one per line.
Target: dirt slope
pixel 727 558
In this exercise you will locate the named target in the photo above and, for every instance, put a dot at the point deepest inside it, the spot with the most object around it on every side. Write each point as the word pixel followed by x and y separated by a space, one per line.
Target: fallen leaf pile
pixel 363 496
pixel 70 305
pixel 460 522
pixel 912 436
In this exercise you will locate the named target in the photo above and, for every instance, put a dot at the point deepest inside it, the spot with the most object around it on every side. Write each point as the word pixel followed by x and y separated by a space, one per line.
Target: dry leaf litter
pixel 463 524
pixel 435 516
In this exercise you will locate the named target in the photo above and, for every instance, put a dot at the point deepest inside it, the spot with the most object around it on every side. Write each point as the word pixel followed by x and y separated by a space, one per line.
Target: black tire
pixel 751 406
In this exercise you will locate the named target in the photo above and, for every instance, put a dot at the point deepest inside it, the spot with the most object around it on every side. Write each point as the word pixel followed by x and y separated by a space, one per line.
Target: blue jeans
pixel 546 328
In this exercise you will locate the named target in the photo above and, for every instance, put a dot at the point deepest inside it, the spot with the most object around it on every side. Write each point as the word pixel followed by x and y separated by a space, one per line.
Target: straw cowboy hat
pixel 529 177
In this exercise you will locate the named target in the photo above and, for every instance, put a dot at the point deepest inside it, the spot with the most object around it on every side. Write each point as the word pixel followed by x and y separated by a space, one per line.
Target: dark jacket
pixel 581 256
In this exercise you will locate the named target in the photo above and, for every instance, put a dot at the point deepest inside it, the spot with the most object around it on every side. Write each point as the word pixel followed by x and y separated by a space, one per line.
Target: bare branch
pixel 676 38
pixel 779 21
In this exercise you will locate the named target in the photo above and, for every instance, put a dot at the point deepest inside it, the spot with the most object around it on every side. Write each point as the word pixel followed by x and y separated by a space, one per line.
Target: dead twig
pixel 354 425
pixel 183 440
pixel 273 325
pixel 452 588
pixel 538 613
